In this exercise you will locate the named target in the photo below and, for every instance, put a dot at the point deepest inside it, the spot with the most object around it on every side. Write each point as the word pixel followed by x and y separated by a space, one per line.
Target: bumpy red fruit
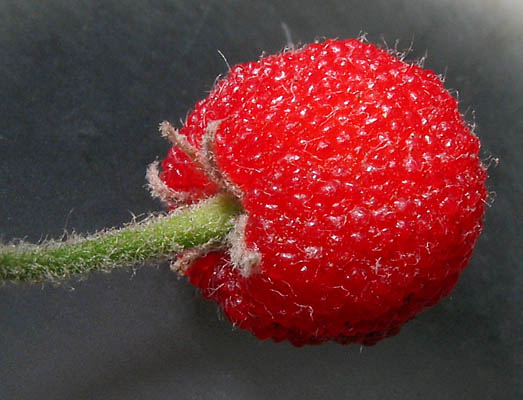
pixel 362 184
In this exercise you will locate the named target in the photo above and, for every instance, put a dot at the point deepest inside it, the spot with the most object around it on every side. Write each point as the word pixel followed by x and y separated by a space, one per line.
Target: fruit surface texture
pixel 362 188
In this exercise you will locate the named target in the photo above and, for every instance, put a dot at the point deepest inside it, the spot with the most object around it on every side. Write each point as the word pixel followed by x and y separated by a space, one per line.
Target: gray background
pixel 84 85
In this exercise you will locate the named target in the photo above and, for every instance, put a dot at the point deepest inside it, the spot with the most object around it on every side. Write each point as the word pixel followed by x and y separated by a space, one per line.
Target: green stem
pixel 157 238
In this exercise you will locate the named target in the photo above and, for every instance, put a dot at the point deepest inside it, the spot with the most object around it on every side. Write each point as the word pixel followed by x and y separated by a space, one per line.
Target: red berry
pixel 362 185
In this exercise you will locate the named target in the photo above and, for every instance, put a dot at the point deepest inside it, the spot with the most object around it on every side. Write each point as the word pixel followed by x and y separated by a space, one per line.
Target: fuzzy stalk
pixel 155 239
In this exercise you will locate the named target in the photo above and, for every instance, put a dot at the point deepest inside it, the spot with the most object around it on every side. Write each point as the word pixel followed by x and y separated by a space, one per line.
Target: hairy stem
pixel 157 238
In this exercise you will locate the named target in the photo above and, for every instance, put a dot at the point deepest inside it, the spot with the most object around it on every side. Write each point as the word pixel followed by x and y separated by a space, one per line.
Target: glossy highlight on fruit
pixel 362 185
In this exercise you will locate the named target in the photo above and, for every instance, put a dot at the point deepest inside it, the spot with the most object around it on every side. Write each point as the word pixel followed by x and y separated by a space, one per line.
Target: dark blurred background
pixel 84 85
